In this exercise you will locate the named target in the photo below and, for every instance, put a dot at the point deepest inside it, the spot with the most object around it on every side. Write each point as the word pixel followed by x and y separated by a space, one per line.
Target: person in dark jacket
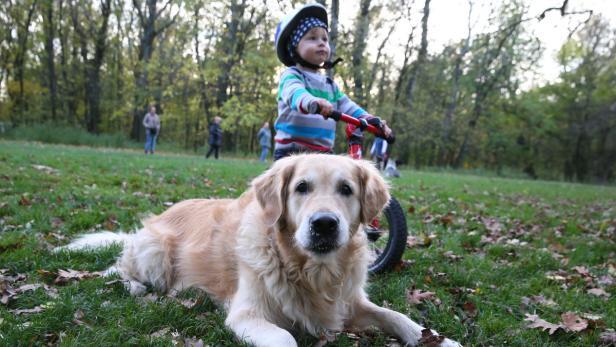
pixel 265 140
pixel 215 139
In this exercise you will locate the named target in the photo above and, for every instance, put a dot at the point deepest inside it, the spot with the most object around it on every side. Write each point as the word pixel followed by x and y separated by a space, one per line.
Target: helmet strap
pixel 326 65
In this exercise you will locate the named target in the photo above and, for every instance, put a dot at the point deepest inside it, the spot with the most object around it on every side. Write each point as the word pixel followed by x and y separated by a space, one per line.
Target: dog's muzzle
pixel 324 230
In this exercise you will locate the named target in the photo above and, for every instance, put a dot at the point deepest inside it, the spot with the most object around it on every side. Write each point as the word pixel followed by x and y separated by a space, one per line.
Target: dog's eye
pixel 345 189
pixel 302 187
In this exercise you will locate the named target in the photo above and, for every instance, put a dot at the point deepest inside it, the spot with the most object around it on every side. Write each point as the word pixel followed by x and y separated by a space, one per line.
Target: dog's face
pixel 321 199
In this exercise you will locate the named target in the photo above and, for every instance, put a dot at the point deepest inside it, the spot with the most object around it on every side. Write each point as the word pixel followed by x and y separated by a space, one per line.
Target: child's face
pixel 314 46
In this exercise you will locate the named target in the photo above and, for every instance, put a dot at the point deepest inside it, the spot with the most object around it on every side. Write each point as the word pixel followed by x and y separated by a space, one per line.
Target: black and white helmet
pixel 288 24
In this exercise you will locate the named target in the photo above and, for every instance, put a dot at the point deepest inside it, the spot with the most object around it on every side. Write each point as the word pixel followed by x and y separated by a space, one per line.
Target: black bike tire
pixel 396 244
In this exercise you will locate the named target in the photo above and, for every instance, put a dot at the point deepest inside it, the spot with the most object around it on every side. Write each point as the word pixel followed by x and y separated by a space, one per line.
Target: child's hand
pixel 323 107
pixel 386 130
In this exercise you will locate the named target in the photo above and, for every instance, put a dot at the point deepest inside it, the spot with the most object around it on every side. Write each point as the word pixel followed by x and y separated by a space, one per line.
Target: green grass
pixel 546 226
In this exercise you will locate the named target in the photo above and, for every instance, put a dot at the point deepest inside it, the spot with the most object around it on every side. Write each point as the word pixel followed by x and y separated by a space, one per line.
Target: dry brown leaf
pixel 65 276
pixel 606 280
pixel 412 241
pixel 447 219
pixel 492 225
pixel 46 169
pixel 160 333
pixel 417 296
pixel 608 338
pixel 402 264
pixel 536 322
pixel 539 299
pixel 24 201
pixel 429 339
pixel 193 342
pixel 470 308
pixel 582 270
pixel 36 309
pixel 450 255
pixel 574 322
pixel 428 218
pixel 599 292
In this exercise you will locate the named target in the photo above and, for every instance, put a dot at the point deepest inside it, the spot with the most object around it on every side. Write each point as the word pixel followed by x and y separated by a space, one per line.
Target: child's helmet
pixel 289 23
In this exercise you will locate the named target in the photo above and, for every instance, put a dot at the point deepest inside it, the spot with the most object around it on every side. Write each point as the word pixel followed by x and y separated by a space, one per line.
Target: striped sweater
pixel 297 90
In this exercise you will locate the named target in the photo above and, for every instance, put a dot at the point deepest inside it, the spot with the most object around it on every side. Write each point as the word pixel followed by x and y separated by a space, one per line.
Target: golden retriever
pixel 288 255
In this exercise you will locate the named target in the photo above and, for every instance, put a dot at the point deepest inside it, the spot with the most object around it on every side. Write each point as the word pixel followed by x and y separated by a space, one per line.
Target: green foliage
pixel 52 133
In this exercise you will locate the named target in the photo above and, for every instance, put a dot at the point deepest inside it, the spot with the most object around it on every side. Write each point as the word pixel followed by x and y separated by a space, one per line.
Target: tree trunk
pixel 49 55
pixel 359 46
pixel 421 57
pixel 229 50
pixel 203 90
pixel 333 32
pixel 445 155
pixel 148 19
pixel 94 68
pixel 23 33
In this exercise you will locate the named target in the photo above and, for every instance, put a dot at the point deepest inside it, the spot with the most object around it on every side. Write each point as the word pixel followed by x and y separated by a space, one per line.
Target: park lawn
pixel 491 250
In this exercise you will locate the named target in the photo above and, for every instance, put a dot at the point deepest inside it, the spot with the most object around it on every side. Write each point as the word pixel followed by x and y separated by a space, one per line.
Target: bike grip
pixel 335 115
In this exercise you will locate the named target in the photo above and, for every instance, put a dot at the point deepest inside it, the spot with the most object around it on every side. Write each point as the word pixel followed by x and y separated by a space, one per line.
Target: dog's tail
pixel 97 240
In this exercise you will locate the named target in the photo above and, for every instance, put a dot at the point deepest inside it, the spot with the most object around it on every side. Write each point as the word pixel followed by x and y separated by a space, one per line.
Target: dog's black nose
pixel 324 223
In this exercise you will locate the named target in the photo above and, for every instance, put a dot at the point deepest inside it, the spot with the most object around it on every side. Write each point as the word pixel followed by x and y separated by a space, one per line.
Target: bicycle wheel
pixel 388 242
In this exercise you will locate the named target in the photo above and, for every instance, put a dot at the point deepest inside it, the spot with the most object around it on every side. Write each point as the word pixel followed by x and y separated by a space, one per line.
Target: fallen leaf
pixel 402 264
pixel 188 303
pixel 24 201
pixel 447 219
pixel 36 309
pixel 417 296
pixel 608 338
pixel 193 342
pixel 573 322
pixel 65 276
pixel 452 256
pixel 160 333
pixel 429 339
pixel 605 280
pixel 582 270
pixel 492 225
pixel 412 241
pixel 470 308
pixel 46 169
pixel 539 299
pixel 599 292
pixel 536 322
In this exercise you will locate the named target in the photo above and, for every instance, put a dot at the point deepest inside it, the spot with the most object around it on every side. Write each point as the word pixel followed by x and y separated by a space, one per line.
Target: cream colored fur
pixel 251 253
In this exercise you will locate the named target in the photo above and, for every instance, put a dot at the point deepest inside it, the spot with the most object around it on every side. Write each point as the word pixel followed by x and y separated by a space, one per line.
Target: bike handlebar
pixel 376 131
pixel 339 116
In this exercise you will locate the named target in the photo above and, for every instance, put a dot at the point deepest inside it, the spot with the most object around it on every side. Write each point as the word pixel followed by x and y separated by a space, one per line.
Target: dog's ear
pixel 374 191
pixel 271 189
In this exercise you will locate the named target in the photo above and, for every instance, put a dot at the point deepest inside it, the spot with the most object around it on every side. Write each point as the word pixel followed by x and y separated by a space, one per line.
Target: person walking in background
pixel 379 153
pixel 265 140
pixel 151 122
pixel 215 139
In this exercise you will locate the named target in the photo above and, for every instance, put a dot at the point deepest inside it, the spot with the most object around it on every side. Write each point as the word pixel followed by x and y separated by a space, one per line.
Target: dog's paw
pixel 450 343
pixel 135 288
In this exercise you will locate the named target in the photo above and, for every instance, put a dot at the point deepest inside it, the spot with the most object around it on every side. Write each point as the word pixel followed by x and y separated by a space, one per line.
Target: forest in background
pixel 98 64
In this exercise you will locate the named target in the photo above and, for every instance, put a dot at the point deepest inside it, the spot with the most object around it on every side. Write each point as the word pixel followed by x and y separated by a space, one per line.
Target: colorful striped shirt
pixel 297 90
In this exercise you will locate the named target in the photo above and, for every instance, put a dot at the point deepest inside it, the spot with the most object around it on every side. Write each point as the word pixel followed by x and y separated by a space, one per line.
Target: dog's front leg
pixel 366 314
pixel 249 324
